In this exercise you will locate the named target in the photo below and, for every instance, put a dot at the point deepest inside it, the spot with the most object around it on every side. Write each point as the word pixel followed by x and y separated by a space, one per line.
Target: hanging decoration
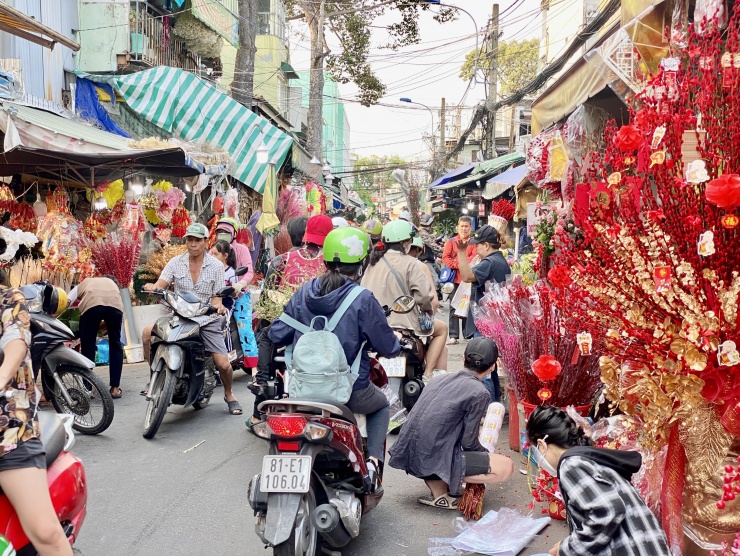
pixel 180 221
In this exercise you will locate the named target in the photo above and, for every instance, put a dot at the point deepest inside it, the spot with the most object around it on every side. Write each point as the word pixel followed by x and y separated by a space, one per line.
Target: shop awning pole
pixel 40 27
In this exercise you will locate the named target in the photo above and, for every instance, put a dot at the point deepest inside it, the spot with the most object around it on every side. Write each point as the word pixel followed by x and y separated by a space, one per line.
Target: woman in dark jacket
pixel 364 322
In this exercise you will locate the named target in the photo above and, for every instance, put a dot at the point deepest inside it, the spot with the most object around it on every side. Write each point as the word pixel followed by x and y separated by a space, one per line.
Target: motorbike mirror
pixel 242 270
pixel 404 304
pixel 228 291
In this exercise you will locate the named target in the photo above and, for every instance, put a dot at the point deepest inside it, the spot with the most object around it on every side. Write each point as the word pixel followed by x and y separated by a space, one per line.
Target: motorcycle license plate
pixel 394 368
pixel 286 474
pixel 232 356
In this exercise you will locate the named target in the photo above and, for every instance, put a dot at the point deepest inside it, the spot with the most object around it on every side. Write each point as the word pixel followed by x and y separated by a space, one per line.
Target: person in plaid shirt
pixel 605 513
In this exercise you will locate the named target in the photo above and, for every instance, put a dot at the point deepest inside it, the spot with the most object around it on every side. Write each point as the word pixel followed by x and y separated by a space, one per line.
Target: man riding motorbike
pixel 393 273
pixel 363 327
pixel 201 274
pixel 302 263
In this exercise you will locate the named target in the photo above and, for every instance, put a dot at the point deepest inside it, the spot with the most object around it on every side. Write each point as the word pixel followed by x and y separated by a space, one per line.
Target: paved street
pixel 157 498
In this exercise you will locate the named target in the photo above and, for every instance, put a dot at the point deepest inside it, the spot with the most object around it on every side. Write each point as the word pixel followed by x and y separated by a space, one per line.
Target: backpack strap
pixel 346 302
pixel 290 321
pixel 355 366
pixel 398 278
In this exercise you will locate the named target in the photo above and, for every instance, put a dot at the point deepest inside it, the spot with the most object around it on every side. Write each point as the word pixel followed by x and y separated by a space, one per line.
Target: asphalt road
pixel 185 491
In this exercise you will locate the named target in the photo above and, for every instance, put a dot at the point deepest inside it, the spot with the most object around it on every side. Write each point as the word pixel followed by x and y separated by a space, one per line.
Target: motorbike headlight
pixel 188 310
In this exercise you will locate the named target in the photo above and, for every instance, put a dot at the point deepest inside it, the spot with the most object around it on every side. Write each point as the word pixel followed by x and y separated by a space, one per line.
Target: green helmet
pixel 417 242
pixel 346 245
pixel 396 231
pixel 373 227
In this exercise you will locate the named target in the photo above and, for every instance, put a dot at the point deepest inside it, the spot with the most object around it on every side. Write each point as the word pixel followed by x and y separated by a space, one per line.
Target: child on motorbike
pixel 439 441
pixel 391 274
pixel 344 252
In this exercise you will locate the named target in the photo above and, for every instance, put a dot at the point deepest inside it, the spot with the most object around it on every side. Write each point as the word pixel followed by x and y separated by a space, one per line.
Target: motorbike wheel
pixel 93 409
pixel 304 540
pixel 162 390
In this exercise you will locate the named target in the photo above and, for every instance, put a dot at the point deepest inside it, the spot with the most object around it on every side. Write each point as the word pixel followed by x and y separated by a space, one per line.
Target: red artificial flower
pixel 642 119
pixel 724 191
pixel 546 368
pixel 628 138
pixel 559 276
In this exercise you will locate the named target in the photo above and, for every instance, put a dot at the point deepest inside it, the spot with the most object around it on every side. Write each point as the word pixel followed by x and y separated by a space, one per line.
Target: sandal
pixel 251 425
pixel 453 342
pixel 118 394
pixel 444 502
pixel 234 407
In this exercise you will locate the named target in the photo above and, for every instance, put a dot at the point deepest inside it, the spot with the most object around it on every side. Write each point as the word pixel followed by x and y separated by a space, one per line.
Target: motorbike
pixel 67 485
pixel 314 485
pixel 405 372
pixel 182 373
pixel 68 378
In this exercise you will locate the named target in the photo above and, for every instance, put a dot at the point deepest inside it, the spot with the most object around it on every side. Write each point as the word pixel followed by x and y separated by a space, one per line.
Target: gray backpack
pixel 317 366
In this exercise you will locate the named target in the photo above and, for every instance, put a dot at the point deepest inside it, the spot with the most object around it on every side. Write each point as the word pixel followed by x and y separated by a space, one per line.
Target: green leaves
pixel 517 64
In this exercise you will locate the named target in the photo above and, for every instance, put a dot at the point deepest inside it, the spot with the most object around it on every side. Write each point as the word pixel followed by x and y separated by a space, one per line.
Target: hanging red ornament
pixel 730 221
pixel 628 138
pixel 544 394
pixel 546 368
pixel 180 221
pixel 724 191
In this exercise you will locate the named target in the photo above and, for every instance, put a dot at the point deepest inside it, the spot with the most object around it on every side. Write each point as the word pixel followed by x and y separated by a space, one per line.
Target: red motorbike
pixel 314 486
pixel 67 485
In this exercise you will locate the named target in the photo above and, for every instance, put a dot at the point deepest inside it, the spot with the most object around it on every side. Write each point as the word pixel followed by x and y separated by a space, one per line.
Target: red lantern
pixel 544 394
pixel 730 221
pixel 546 367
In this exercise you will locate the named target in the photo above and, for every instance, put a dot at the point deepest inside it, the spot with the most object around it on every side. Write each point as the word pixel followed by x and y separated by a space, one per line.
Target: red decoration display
pixel 724 191
pixel 546 368
pixel 628 139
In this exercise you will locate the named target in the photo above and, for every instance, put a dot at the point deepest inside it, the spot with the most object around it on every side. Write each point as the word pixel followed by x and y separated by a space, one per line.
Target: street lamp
pixel 263 154
pixel 431 113
pixel 475 24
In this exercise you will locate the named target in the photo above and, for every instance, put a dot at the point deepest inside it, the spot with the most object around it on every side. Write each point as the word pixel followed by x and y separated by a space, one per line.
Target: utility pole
pixel 442 144
pixel 492 87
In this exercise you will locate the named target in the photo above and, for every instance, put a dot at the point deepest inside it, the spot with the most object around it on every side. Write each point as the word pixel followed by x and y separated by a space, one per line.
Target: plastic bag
pixel 461 300
pixel 504 533
pixel 397 410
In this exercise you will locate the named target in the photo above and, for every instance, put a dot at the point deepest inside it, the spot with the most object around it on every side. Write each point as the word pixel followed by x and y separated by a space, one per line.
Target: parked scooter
pixel 314 486
pixel 406 372
pixel 182 373
pixel 67 484
pixel 67 377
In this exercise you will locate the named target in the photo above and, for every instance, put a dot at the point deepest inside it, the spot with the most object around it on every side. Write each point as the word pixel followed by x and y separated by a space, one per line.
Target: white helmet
pixel 339 222
pixel 405 215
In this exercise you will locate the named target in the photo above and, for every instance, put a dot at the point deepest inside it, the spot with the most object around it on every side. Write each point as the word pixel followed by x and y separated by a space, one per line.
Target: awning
pixel 193 110
pixel 302 160
pixel 459 172
pixel 288 71
pixel 87 169
pixel 486 170
pixel 17 23
pixel 505 180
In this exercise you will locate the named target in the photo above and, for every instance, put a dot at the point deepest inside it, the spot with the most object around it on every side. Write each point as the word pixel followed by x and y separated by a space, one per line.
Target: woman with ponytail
pixel 605 513
pixel 362 329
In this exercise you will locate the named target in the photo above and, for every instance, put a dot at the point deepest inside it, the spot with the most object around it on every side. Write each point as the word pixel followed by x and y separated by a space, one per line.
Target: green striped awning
pixel 193 110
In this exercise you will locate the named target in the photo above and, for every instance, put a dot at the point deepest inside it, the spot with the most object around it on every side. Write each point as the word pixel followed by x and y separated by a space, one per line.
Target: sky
pixel 425 72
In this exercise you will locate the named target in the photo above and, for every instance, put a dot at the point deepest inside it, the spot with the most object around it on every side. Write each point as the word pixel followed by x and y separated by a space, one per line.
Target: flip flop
pixel 444 502
pixel 117 396
pixel 234 407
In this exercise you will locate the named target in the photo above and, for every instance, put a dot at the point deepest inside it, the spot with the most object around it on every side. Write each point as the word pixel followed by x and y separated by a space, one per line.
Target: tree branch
pixel 366 8
pixel 294 17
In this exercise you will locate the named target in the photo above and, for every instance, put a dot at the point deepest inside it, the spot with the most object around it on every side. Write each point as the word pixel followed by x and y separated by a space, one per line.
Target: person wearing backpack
pixel 360 326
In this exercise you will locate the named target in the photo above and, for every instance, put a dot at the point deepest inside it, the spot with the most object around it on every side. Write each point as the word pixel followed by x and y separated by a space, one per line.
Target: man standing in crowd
pixel 449 258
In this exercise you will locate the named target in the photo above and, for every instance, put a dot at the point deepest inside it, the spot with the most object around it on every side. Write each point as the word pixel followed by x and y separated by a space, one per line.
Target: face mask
pixel 224 237
pixel 541 462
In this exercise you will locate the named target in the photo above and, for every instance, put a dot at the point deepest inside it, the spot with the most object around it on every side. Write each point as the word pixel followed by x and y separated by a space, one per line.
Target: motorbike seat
pixel 53 435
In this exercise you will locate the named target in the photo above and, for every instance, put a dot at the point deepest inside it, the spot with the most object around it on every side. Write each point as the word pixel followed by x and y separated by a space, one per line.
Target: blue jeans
pixel 491 382
pixel 371 402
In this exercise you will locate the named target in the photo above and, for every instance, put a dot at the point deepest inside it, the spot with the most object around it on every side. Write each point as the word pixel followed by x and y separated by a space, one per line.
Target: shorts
pixel 476 463
pixel 212 336
pixel 28 454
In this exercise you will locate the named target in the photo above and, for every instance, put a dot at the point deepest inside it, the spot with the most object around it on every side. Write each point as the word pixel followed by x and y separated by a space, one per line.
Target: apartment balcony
pixel 153 44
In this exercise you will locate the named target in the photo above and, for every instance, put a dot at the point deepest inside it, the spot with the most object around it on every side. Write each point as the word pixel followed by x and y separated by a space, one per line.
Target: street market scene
pixel 369 277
